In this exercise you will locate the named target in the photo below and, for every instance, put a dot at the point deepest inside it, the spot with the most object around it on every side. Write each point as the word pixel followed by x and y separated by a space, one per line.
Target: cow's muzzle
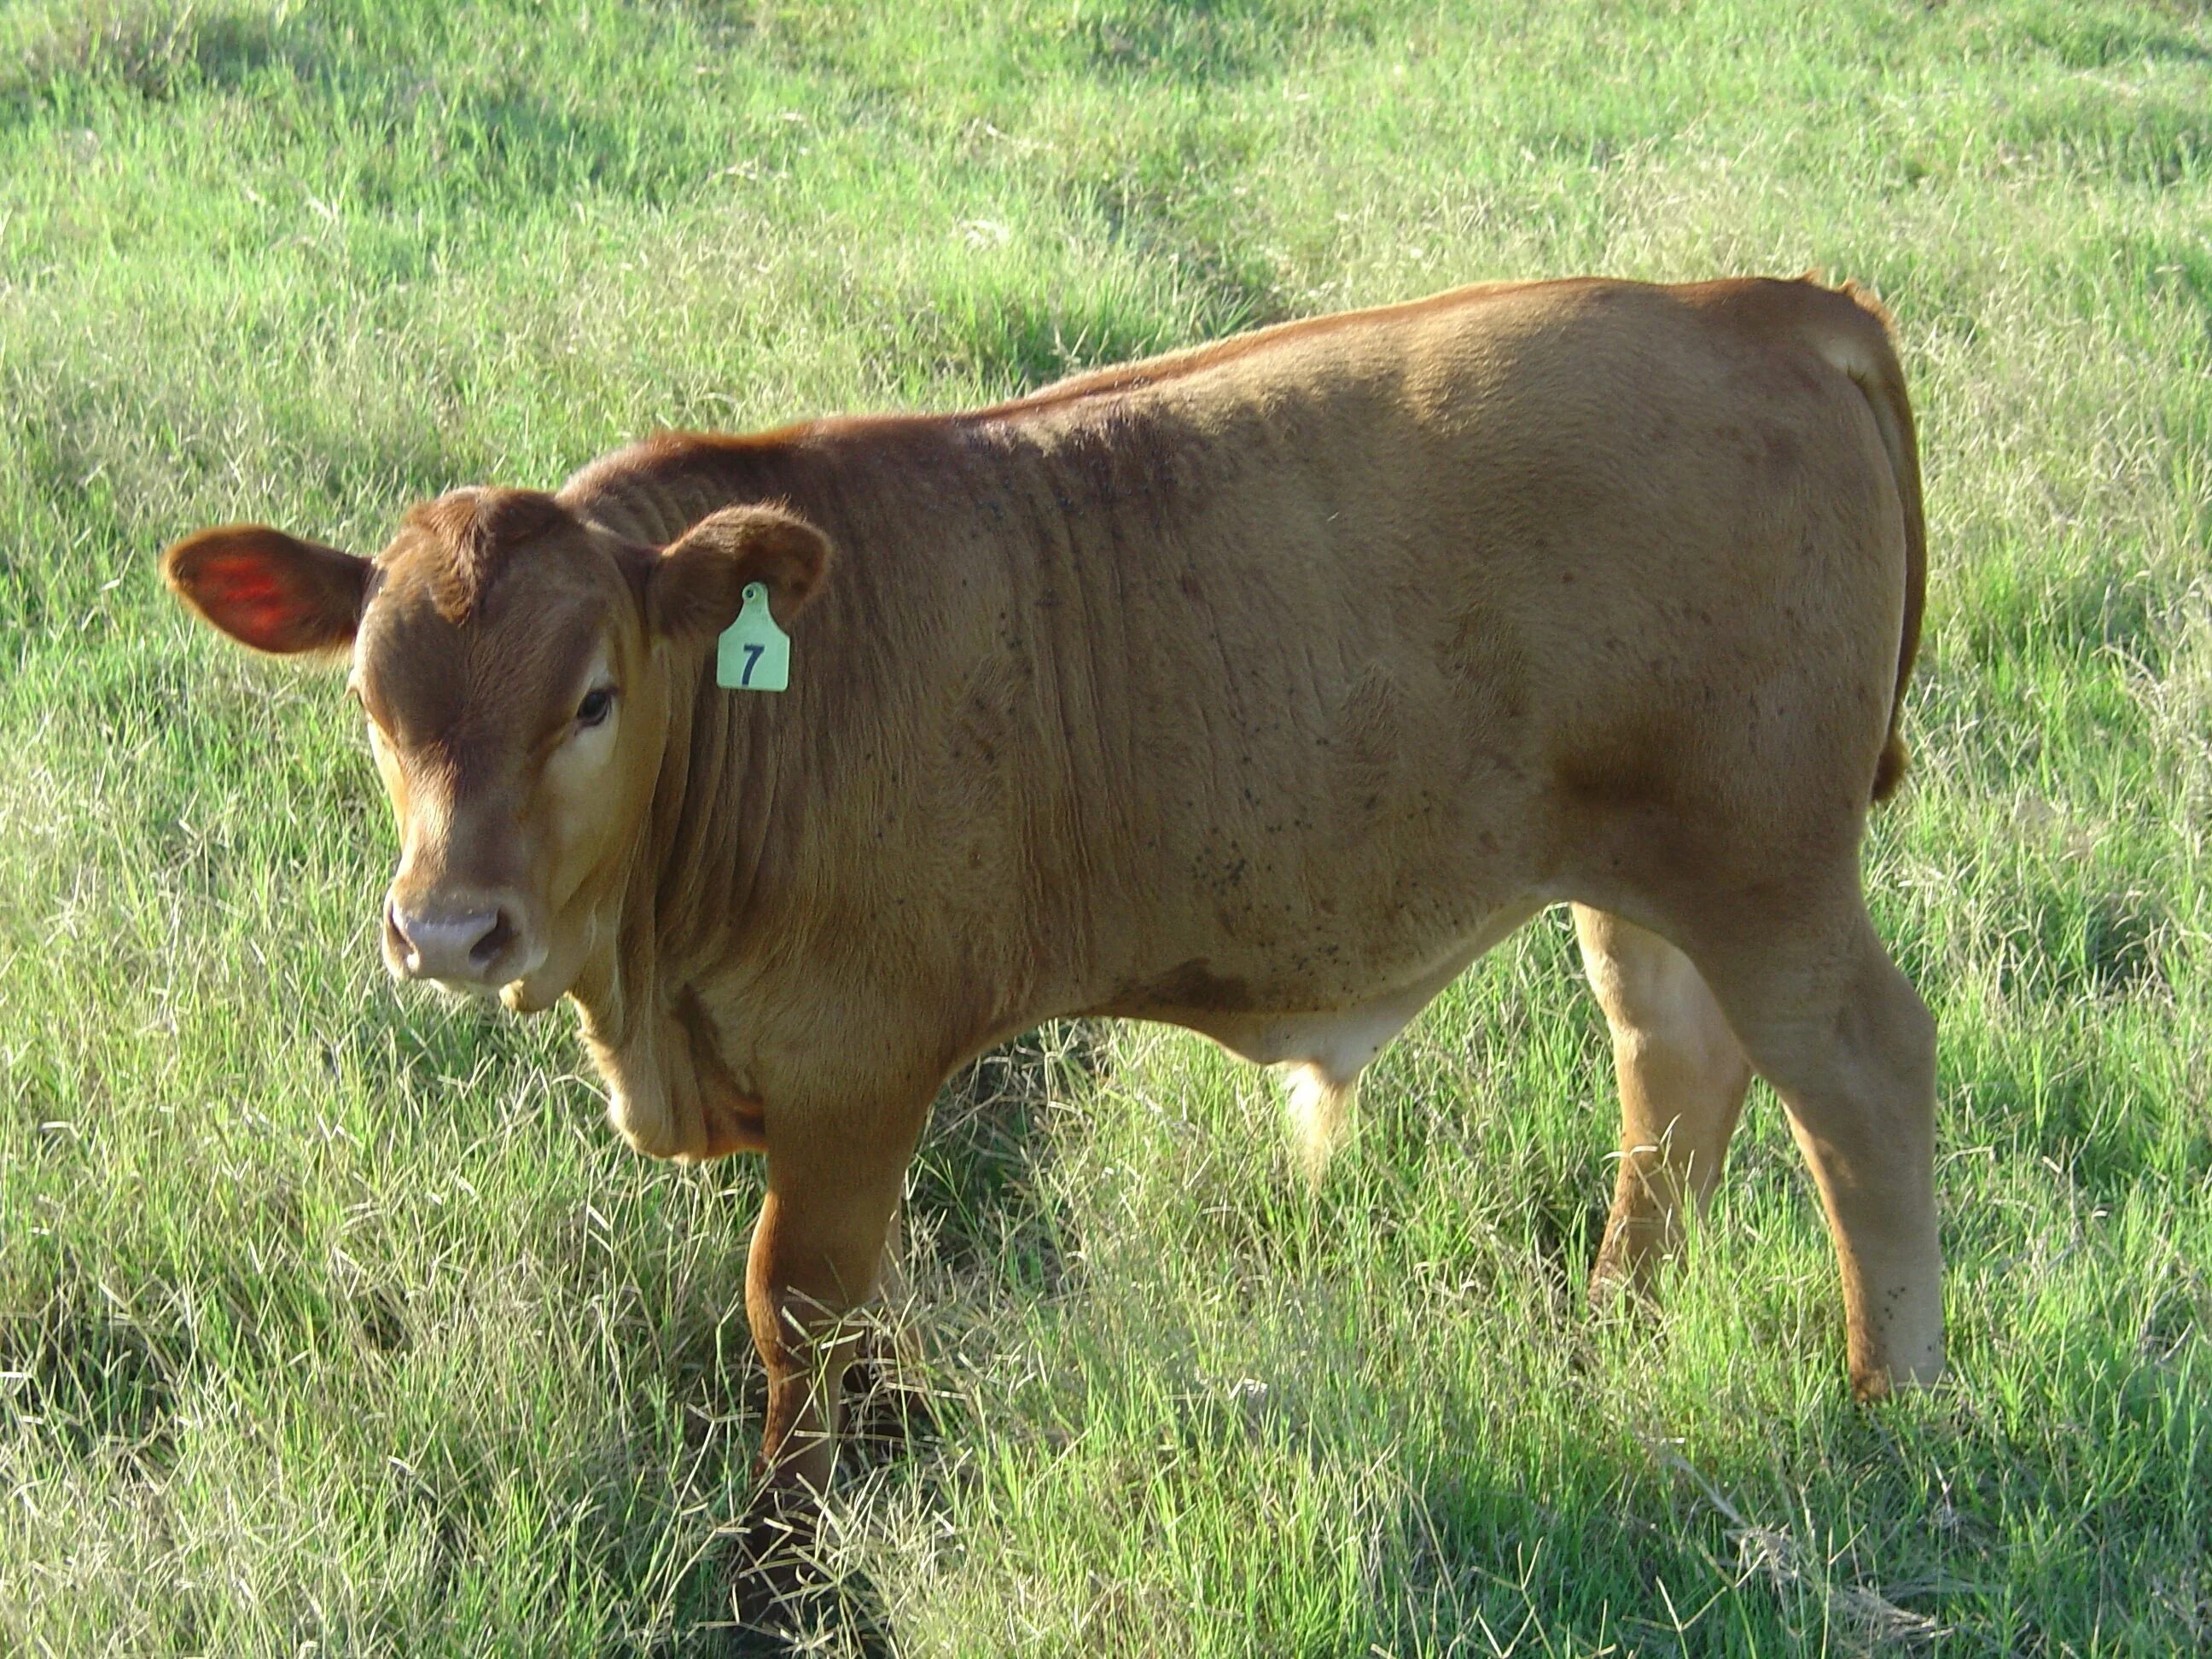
pixel 479 944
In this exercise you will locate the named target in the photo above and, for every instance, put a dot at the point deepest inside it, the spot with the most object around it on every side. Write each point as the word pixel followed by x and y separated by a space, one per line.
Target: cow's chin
pixel 529 994
pixel 462 990
pixel 555 974
pixel 459 990
pixel 534 995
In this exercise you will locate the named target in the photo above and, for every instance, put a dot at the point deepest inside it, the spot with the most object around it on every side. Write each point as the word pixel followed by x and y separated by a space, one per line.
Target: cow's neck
pixel 722 875
pixel 710 831
pixel 842 816
pixel 675 908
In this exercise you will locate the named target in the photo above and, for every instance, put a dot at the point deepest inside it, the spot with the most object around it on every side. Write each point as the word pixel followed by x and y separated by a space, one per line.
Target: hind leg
pixel 1827 1019
pixel 1682 1078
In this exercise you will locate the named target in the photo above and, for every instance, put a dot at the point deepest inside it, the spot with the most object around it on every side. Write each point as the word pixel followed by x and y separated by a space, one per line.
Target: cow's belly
pixel 1318 900
pixel 1342 1041
pixel 1316 1005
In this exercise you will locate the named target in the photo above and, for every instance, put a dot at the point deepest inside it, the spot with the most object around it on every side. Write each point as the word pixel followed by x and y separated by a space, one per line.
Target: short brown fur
pixel 474 534
pixel 1257 688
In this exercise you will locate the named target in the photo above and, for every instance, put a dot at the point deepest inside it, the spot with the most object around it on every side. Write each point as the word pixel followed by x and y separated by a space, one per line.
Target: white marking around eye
pixel 573 774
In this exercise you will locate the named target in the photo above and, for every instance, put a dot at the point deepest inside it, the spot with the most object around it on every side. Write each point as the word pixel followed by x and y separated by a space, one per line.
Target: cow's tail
pixel 1866 350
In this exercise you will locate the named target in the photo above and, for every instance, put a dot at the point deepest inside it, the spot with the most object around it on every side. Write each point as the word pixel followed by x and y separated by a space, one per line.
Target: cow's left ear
pixel 698 586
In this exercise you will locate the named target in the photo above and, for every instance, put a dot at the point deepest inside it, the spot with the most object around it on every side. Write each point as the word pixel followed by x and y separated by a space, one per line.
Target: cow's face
pixel 516 666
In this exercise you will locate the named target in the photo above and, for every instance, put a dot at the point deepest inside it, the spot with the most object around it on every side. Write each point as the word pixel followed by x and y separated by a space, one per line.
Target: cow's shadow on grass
pixel 974 1203
pixel 1720 1538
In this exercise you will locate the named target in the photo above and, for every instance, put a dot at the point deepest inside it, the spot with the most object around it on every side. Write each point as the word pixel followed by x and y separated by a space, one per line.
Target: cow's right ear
pixel 269 590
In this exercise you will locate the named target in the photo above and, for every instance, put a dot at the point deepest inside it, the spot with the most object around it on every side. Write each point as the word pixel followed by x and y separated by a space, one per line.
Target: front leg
pixel 832 1190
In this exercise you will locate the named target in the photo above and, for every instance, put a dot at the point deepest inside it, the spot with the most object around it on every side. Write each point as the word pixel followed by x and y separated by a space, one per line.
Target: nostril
pixel 395 928
pixel 495 943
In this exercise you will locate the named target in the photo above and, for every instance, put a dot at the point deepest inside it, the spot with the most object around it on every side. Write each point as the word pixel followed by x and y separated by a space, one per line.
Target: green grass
pixel 334 1320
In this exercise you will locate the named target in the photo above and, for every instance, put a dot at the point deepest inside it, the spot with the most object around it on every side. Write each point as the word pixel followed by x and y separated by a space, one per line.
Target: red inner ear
pixel 269 590
pixel 249 597
pixel 250 600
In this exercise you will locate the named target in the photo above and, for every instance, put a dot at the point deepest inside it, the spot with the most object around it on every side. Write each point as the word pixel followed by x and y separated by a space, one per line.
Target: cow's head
pixel 517 666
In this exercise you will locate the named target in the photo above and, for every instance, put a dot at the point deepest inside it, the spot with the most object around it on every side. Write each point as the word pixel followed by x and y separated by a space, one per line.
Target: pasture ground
pixel 335 1321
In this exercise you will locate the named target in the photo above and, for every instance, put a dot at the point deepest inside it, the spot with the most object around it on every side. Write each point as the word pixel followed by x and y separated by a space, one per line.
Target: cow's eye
pixel 594 707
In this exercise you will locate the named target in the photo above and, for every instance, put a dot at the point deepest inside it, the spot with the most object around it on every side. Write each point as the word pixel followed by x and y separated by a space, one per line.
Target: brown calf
pixel 1258 688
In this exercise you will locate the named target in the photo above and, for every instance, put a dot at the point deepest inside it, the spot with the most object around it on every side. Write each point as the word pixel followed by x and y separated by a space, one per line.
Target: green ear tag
pixel 755 654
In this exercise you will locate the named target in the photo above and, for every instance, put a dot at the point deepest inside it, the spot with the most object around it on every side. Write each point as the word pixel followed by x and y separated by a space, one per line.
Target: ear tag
pixel 755 654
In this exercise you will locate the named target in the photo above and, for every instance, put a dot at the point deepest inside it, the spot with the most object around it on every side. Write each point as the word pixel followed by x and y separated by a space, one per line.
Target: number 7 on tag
pixel 754 655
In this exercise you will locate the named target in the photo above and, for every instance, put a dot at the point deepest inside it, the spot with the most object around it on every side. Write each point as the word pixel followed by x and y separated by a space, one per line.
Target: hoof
pixel 778 1565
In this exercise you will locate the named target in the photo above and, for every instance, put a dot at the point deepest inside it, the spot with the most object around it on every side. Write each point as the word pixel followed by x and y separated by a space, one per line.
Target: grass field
pixel 333 1320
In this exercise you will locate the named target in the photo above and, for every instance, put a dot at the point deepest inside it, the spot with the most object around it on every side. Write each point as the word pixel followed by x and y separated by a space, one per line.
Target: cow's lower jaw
pixel 545 982
pixel 460 990
pixel 523 994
